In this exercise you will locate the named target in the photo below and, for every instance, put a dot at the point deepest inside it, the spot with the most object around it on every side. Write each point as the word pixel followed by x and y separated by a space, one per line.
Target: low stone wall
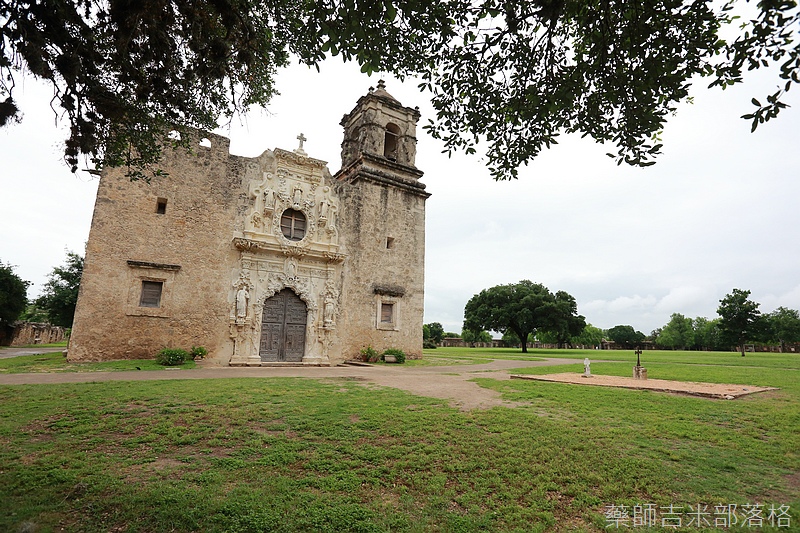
pixel 36 333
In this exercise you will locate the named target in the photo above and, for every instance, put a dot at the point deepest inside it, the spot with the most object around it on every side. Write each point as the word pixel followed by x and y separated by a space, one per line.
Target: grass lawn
pixel 290 454
pixel 62 344
pixel 56 362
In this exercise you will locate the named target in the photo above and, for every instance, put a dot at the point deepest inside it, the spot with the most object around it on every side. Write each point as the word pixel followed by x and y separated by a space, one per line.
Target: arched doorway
pixel 283 328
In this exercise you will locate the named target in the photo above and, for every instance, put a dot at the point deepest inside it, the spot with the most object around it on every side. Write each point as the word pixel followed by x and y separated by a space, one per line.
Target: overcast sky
pixel 718 211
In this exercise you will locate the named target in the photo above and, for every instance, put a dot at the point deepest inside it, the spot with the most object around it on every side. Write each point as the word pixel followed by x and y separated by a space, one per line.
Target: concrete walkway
pixel 450 383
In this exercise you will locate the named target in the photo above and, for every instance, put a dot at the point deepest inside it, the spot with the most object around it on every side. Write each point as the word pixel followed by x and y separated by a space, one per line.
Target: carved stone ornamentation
pixel 331 305
pixel 241 305
pixel 290 267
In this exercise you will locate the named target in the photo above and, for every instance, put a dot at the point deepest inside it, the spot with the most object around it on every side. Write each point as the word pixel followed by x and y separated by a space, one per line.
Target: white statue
pixel 269 201
pixel 586 371
pixel 329 310
pixel 291 268
pixel 242 297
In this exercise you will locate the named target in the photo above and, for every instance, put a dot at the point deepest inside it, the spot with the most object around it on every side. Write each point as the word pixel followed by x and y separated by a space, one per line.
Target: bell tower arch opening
pixel 391 141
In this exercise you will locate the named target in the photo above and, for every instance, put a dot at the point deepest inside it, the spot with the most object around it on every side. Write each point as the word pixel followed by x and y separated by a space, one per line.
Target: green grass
pixel 62 344
pixel 56 362
pixel 255 455
pixel 755 359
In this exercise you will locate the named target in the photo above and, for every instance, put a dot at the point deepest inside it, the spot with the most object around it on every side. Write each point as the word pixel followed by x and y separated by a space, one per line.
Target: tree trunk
pixel 742 345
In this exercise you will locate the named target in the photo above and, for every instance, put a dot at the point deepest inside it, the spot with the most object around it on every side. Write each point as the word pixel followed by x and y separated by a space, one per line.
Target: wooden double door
pixel 283 328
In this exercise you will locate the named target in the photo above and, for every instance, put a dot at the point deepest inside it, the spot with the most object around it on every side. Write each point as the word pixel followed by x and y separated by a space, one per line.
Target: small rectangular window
pixel 387 313
pixel 151 294
pixel 389 242
pixel 161 206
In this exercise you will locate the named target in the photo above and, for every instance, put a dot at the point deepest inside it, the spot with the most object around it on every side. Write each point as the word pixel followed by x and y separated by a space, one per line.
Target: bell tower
pixel 384 225
pixel 379 126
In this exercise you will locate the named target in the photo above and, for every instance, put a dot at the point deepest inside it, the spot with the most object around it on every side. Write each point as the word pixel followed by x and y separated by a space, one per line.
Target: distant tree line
pixel 739 323
pixel 526 313
pixel 56 305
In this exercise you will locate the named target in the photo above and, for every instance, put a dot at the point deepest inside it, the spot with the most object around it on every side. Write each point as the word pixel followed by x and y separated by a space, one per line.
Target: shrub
pixel 171 356
pixel 198 352
pixel 429 344
pixel 399 355
pixel 369 354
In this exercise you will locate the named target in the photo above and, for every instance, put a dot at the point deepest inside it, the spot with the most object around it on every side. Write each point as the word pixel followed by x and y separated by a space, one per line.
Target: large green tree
pixel 708 335
pixel 521 308
pixel 60 293
pixel 566 322
pixel 679 333
pixel 782 326
pixel 471 337
pixel 433 331
pixel 739 318
pixel 590 336
pixel 510 75
pixel 13 294
pixel 626 336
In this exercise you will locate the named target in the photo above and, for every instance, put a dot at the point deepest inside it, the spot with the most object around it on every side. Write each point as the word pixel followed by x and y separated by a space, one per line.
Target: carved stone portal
pixel 283 328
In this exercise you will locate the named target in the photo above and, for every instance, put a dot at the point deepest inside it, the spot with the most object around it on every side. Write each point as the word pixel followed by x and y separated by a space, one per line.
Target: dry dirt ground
pixel 450 383
pixel 708 390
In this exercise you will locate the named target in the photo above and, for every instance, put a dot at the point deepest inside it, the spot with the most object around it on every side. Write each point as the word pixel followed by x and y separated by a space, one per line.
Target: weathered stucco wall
pixel 187 248
pixel 385 248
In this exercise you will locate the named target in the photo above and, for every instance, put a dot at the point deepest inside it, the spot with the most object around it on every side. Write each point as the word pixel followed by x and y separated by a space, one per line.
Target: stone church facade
pixel 266 260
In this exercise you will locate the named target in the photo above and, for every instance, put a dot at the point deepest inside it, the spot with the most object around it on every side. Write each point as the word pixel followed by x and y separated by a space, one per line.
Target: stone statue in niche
pixel 323 210
pixel 290 268
pixel 269 202
pixel 330 308
pixel 242 299
pixel 297 198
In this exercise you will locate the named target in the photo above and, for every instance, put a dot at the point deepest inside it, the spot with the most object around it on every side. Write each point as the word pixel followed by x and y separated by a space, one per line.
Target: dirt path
pixel 449 383
pixel 6 353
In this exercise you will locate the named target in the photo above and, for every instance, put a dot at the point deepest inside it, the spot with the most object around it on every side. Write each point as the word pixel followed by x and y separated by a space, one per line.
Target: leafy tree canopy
pixel 61 291
pixel 626 336
pixel 590 336
pixel 433 331
pixel 782 326
pixel 512 76
pixel 13 294
pixel 708 334
pixel 739 317
pixel 521 308
pixel 678 333
pixel 472 337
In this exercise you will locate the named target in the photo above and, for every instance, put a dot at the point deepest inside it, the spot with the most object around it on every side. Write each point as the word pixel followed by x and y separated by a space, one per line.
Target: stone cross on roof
pixel 299 150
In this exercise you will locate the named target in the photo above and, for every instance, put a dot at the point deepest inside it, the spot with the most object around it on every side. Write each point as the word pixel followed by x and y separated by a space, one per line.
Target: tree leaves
pixel 523 308
pixel 510 77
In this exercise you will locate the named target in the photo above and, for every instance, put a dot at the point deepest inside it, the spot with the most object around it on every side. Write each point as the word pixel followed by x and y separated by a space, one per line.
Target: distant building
pixel 25 333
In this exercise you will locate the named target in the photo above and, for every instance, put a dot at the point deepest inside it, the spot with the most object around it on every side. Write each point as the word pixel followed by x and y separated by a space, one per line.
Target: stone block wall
pixel 36 333
pixel 186 247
